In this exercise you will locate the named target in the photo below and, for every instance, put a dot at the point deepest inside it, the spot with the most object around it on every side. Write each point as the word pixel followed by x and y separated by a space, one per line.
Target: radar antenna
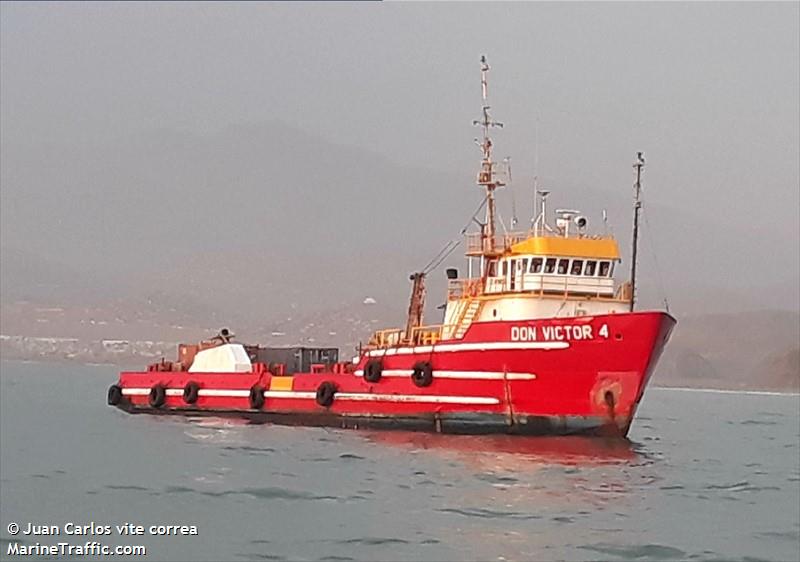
pixel 540 226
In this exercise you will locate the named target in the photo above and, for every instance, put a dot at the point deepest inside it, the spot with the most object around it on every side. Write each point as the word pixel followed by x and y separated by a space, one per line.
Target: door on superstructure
pixel 522 270
pixel 512 275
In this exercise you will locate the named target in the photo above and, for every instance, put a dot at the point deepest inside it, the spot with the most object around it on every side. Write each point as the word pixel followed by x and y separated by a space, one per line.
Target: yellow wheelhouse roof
pixel 600 248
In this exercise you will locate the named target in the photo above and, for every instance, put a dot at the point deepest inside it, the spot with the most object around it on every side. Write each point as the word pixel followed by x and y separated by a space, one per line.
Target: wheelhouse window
pixel 523 265
pixel 492 268
pixel 577 267
pixel 590 268
pixel 605 269
pixel 505 268
pixel 550 265
pixel 563 267
pixel 536 265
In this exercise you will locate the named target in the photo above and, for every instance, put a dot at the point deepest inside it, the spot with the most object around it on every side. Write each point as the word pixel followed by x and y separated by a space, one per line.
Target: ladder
pixel 467 316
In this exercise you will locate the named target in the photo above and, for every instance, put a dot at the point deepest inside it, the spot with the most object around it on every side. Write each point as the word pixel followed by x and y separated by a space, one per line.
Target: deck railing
pixel 420 335
pixel 387 338
pixel 501 241
pixel 461 288
pixel 544 285
pixel 471 288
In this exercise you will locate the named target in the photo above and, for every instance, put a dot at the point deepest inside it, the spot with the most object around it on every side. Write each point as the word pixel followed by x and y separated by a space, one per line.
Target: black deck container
pixel 295 359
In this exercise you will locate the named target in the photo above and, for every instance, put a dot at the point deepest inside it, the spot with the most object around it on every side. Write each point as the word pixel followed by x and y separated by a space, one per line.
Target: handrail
pixel 624 292
pixel 386 338
pixel 462 315
pixel 395 337
pixel 460 288
pixel 426 335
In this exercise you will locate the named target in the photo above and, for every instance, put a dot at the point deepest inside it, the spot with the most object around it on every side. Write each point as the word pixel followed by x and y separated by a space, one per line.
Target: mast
pixel 416 305
pixel 637 205
pixel 486 176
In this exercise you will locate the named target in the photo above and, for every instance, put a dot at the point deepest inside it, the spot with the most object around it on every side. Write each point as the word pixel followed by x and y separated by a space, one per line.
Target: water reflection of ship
pixel 515 497
pixel 502 450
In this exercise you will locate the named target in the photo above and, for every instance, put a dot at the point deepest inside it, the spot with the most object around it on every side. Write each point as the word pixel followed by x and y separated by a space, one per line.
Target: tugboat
pixel 538 338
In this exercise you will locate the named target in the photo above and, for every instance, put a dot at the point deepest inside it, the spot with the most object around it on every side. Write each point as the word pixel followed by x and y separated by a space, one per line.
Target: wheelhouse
pixel 550 274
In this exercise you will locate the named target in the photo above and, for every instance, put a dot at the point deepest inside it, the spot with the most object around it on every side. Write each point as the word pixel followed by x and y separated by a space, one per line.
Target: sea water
pixel 705 476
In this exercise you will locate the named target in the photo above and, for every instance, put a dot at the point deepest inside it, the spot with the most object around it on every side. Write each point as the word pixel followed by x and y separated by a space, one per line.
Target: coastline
pixel 136 355
pixel 754 392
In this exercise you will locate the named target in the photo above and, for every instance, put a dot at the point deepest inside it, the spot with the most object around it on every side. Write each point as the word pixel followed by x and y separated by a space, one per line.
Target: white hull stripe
pixel 416 398
pixel 477 346
pixel 232 393
pixel 353 396
pixel 475 375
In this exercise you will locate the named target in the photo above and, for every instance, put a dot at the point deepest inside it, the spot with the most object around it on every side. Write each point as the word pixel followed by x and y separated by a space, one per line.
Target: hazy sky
pixel 709 91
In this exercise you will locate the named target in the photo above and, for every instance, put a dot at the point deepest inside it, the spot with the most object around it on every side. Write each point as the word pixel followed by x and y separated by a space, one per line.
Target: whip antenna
pixel 514 219
pixel 637 207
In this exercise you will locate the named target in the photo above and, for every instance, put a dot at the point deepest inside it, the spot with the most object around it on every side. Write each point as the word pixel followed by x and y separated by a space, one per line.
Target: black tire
pixel 190 392
pixel 114 395
pixel 257 397
pixel 423 374
pixel 325 394
pixel 373 370
pixel 158 395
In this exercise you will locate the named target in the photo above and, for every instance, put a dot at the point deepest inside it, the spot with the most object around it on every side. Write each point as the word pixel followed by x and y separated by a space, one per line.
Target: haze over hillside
pixel 270 215
pixel 171 168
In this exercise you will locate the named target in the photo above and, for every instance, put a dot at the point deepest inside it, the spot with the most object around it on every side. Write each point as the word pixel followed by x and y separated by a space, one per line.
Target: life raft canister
pixel 158 395
pixel 114 395
pixel 422 374
pixel 190 392
pixel 325 393
pixel 373 370
pixel 256 397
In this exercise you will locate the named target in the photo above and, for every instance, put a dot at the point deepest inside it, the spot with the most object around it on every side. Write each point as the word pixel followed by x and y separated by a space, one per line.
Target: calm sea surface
pixel 706 476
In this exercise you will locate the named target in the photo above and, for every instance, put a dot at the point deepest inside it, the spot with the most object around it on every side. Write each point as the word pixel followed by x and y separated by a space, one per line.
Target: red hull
pixel 553 376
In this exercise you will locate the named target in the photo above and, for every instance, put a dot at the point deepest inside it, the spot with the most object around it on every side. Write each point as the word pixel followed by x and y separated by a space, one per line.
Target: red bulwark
pixel 582 375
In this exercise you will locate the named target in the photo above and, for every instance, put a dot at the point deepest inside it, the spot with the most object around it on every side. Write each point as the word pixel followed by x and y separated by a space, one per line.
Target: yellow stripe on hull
pixel 281 383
